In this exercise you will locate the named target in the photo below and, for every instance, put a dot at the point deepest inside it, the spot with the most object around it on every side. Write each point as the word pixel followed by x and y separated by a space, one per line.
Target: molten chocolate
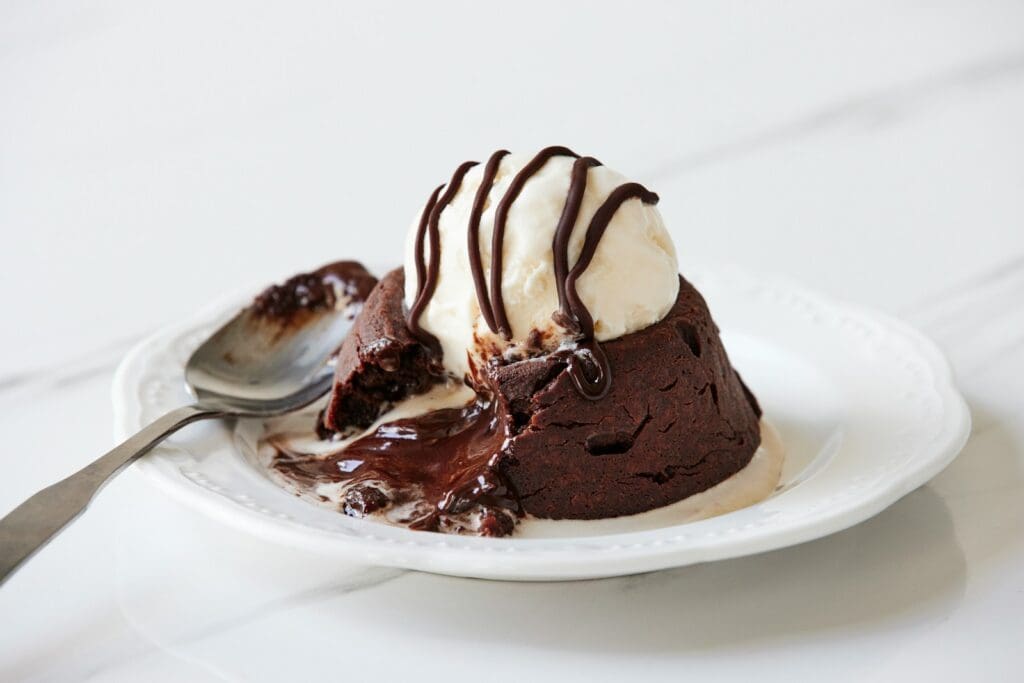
pixel 440 469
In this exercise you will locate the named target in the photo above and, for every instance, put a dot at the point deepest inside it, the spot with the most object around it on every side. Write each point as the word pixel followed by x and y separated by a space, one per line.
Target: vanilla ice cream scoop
pixel 528 253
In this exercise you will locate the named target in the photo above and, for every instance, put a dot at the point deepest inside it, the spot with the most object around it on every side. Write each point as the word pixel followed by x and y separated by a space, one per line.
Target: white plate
pixel 865 406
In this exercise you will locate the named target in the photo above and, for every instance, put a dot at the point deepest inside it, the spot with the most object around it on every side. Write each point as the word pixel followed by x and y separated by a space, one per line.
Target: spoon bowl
pixel 260 366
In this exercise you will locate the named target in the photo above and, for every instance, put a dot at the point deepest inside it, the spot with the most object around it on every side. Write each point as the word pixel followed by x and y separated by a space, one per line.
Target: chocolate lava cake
pixel 664 431
pixel 563 429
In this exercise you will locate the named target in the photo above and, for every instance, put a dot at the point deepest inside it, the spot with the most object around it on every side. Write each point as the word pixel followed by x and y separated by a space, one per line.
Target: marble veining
pixel 871 109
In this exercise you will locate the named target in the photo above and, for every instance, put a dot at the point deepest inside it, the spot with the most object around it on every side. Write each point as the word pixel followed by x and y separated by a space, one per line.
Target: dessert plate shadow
pixel 865 406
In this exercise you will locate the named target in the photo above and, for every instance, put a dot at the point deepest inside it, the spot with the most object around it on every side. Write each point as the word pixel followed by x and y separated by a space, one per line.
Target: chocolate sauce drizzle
pixel 419 302
pixel 473 236
pixel 595 231
pixel 498 236
pixel 427 283
pixel 563 231
pixel 588 365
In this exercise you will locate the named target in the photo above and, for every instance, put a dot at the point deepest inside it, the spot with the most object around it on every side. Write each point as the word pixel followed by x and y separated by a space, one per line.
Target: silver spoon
pixel 254 366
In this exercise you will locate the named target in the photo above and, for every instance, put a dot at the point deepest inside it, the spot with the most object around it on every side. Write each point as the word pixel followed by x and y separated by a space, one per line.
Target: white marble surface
pixel 152 156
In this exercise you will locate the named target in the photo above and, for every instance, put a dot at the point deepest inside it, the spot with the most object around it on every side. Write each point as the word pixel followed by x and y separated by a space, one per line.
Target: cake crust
pixel 676 421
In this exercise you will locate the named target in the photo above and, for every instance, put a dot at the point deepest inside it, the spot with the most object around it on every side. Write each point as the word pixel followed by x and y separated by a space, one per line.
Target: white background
pixel 154 156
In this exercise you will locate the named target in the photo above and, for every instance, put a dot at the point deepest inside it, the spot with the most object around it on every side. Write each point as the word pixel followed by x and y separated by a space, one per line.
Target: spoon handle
pixel 32 524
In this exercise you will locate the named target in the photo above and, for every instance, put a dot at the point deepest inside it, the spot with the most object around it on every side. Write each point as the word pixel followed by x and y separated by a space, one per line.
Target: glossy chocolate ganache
pixel 574 430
